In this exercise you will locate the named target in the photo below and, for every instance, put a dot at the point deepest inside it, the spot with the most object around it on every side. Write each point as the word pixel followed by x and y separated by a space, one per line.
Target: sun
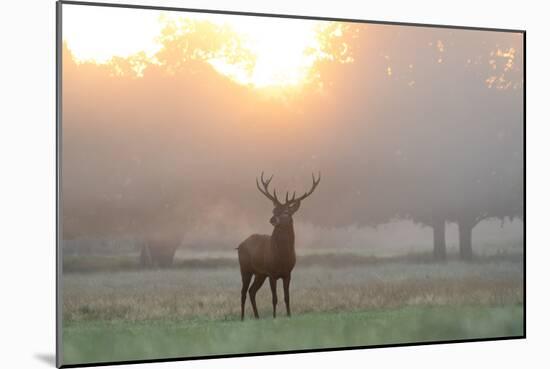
pixel 284 50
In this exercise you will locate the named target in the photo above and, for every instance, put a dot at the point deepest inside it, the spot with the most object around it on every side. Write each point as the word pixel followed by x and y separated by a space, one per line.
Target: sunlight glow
pixel 284 51
pixel 97 33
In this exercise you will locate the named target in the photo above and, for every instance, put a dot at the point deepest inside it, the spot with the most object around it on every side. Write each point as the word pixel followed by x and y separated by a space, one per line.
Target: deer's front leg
pixel 286 284
pixel 273 285
pixel 258 281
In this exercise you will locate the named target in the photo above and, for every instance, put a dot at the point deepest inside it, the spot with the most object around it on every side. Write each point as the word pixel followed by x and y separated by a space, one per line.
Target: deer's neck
pixel 283 238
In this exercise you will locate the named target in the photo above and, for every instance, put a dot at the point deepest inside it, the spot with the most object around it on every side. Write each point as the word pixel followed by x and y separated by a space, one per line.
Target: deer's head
pixel 283 212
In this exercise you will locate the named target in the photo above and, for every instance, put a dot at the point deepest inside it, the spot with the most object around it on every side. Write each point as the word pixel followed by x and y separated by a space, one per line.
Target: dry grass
pixel 214 293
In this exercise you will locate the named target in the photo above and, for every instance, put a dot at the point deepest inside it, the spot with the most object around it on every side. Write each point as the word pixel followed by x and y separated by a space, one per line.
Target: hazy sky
pixel 169 117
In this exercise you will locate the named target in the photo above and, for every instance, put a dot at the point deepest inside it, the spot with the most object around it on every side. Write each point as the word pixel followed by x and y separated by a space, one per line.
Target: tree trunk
pixel 158 253
pixel 440 252
pixel 465 240
pixel 145 256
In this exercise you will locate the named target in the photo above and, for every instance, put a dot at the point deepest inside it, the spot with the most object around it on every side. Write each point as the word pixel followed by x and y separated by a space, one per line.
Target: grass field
pixel 194 311
pixel 122 340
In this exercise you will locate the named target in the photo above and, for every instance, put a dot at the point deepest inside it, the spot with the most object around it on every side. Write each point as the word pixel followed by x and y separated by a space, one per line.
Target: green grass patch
pixel 117 340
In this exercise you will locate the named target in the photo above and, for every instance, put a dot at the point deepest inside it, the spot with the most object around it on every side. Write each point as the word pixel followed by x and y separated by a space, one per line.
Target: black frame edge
pixel 58 222
pixel 525 184
pixel 288 16
pixel 291 352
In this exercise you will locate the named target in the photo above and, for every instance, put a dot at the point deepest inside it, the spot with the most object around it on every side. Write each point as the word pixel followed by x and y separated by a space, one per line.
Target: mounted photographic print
pixel 238 184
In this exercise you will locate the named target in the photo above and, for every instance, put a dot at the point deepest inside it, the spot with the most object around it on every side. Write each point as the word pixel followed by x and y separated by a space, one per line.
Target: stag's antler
pixel 265 191
pixel 307 193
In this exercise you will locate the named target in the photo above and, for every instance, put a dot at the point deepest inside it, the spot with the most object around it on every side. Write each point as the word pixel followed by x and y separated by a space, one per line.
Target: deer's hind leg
pixel 258 282
pixel 246 277
pixel 273 285
pixel 286 285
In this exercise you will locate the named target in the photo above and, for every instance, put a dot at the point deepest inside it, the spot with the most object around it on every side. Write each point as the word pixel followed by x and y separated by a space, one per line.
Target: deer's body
pixel 272 257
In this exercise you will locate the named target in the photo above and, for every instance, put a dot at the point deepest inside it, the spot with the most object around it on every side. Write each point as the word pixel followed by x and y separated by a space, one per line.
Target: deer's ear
pixel 294 207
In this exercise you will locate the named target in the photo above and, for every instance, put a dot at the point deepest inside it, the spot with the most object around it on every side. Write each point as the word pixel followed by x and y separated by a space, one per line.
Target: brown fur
pixel 271 257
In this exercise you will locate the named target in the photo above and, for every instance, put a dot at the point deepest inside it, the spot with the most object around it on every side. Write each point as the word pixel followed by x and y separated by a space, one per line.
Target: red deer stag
pixel 273 257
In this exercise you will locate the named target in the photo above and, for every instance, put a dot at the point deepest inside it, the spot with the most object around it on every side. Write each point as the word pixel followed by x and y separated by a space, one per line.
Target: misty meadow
pixel 349 184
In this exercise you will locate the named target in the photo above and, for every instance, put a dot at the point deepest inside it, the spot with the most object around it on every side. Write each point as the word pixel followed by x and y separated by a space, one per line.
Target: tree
pixel 468 146
pixel 497 193
pixel 417 125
